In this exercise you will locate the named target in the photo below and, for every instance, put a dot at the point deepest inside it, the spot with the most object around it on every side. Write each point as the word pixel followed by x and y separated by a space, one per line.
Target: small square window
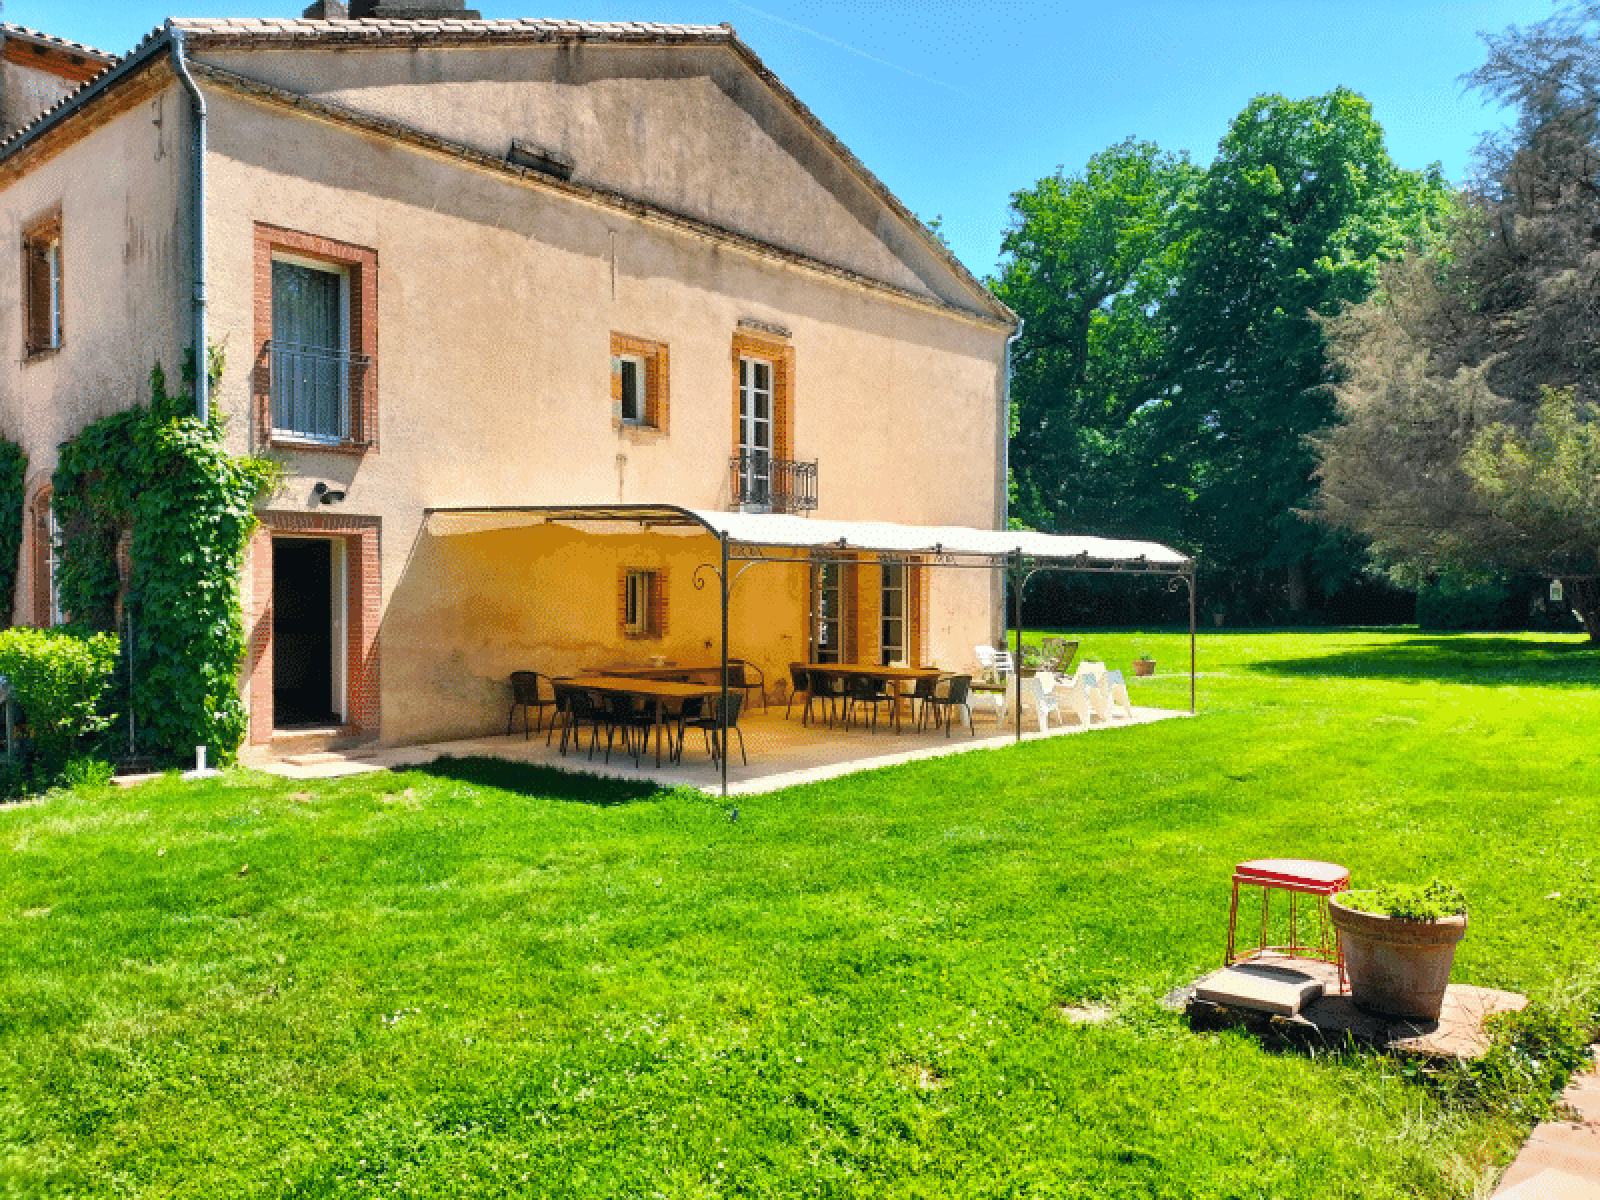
pixel 642 603
pixel 638 383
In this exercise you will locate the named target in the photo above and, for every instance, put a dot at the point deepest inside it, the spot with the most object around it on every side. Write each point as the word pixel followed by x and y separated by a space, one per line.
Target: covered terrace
pixel 721 550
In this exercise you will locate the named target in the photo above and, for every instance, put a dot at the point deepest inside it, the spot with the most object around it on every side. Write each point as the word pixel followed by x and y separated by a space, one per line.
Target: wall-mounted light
pixel 327 494
pixel 1555 591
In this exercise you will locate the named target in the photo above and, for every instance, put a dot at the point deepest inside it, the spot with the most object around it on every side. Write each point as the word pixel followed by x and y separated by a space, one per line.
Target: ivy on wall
pixel 13 478
pixel 160 477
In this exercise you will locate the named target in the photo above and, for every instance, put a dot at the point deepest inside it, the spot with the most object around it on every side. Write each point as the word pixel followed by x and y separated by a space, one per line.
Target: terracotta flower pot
pixel 1397 967
pixel 1144 666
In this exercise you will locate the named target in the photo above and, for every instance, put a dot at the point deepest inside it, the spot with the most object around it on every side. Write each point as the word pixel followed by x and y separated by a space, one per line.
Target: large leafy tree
pixel 1290 223
pixel 1470 435
pixel 1173 362
pixel 1090 259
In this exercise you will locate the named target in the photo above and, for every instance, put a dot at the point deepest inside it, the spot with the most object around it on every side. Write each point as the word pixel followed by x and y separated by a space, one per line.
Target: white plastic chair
pixel 1099 694
pixel 1118 688
pixel 1073 696
pixel 1041 691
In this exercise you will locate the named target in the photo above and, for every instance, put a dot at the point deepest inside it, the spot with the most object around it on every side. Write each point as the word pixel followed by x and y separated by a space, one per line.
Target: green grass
pixel 485 979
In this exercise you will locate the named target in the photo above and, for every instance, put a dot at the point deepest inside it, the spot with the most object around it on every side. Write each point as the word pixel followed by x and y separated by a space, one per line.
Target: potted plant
pixel 1144 665
pixel 1399 942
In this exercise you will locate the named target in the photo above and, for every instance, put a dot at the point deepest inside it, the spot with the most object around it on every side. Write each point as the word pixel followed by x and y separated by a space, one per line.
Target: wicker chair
pixel 709 723
pixel 748 677
pixel 799 681
pixel 956 689
pixel 527 693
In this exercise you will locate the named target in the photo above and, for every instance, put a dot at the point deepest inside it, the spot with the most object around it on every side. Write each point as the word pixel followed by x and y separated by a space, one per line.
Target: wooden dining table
pixel 657 692
pixel 875 671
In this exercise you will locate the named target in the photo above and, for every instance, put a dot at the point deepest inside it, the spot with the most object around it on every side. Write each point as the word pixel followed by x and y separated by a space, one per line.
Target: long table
pixel 678 671
pixel 657 691
pixel 872 671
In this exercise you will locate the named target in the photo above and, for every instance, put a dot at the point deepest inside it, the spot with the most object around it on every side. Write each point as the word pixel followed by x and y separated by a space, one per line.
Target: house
pixel 465 264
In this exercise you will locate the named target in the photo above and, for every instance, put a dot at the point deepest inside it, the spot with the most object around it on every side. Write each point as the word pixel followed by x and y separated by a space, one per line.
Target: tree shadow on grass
pixel 1487 661
pixel 528 779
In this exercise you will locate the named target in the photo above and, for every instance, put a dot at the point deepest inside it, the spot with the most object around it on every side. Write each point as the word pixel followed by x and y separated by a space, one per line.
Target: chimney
pixel 327 10
pixel 413 10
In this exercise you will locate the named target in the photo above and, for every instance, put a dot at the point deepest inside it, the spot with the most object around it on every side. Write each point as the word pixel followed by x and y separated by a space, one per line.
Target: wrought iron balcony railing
pixel 320 395
pixel 765 484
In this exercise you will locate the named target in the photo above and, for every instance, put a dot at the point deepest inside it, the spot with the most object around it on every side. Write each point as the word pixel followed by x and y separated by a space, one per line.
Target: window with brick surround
pixel 763 418
pixel 638 382
pixel 317 338
pixel 642 602
pixel 42 287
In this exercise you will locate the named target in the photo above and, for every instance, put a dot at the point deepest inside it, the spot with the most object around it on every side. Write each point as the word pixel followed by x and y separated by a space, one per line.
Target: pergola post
pixel 1016 635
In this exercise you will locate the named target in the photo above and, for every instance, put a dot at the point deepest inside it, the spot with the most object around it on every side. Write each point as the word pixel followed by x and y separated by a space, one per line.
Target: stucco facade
pixel 698 212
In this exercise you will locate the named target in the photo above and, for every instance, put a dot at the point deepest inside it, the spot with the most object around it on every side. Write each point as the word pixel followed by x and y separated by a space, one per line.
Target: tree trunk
pixel 1584 597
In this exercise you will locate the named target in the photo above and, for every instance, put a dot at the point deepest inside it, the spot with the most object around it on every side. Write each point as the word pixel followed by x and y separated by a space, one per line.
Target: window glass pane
pixel 310 370
pixel 632 390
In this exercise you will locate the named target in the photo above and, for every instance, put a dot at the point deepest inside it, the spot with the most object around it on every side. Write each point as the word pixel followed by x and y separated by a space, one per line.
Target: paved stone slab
pixel 1549 1184
pixel 1261 987
pixel 1334 1016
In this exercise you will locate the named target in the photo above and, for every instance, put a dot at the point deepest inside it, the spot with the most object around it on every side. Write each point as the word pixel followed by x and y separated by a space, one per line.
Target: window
pixel 46 562
pixel 638 382
pixel 631 368
pixel 830 627
pixel 892 614
pixel 42 287
pixel 643 603
pixel 755 434
pixel 316 330
pixel 763 382
pixel 310 350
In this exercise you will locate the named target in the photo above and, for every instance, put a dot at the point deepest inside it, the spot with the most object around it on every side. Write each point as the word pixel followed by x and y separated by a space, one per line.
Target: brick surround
pixel 364 584
pixel 362 264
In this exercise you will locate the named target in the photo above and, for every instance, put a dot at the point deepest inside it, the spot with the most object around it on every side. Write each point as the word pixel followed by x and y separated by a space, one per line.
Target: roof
pixel 380 31
pixel 59 43
pixel 750 534
pixel 268 33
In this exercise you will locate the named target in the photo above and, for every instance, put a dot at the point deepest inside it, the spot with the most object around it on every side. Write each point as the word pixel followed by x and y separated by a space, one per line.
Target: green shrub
pixel 59 677
pixel 13 473
pixel 1408 901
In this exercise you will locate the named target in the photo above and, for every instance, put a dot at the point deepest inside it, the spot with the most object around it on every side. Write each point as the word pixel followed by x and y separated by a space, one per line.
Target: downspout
pixel 1005 432
pixel 197 201
pixel 1005 462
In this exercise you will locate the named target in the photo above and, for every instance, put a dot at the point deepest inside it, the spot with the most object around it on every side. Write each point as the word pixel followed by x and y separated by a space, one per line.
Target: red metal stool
pixel 1297 876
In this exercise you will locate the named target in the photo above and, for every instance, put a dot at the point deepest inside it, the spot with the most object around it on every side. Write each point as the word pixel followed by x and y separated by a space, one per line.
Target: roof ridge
pixel 377 28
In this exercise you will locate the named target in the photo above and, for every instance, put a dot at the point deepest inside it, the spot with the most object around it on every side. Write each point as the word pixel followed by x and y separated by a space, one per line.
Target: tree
pixel 1090 258
pixel 1468 441
pixel 1290 223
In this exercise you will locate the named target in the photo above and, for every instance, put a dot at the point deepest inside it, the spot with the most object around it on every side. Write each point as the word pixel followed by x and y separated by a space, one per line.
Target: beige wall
pixel 691 129
pixel 496 304
pixel 26 91
pixel 121 194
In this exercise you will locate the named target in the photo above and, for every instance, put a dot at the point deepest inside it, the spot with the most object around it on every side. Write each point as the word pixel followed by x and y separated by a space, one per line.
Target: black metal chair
pixel 826 687
pixel 864 689
pixel 525 694
pixel 709 723
pixel 739 676
pixel 561 687
pixel 582 709
pixel 956 695
pixel 921 692
pixel 633 720
pixel 799 681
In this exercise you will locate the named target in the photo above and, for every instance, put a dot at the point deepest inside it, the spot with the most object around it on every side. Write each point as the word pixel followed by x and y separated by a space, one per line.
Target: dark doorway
pixel 303 621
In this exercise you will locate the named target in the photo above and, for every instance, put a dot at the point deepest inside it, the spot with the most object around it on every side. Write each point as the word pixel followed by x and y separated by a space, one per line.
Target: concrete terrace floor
pixel 782 752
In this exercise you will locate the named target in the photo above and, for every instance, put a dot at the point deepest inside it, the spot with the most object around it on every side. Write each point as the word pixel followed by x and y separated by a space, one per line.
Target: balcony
pixel 321 395
pixel 760 483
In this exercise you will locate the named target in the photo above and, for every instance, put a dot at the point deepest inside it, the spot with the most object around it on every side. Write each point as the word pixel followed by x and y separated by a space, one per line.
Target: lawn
pixel 485 979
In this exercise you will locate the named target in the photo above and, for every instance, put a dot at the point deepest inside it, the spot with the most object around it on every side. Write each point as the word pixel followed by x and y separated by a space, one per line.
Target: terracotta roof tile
pixel 33 35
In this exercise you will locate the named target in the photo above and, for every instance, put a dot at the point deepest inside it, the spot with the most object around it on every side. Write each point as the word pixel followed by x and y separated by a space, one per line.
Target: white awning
pixel 750 533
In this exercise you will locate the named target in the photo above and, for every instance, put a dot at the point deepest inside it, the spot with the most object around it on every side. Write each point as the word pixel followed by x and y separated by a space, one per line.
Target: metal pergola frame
pixel 1020 567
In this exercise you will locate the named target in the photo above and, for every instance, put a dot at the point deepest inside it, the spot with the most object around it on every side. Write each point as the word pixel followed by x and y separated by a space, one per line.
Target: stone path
pixel 1561 1159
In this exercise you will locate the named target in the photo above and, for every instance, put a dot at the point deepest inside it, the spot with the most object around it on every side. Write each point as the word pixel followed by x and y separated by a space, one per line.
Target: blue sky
pixel 955 105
